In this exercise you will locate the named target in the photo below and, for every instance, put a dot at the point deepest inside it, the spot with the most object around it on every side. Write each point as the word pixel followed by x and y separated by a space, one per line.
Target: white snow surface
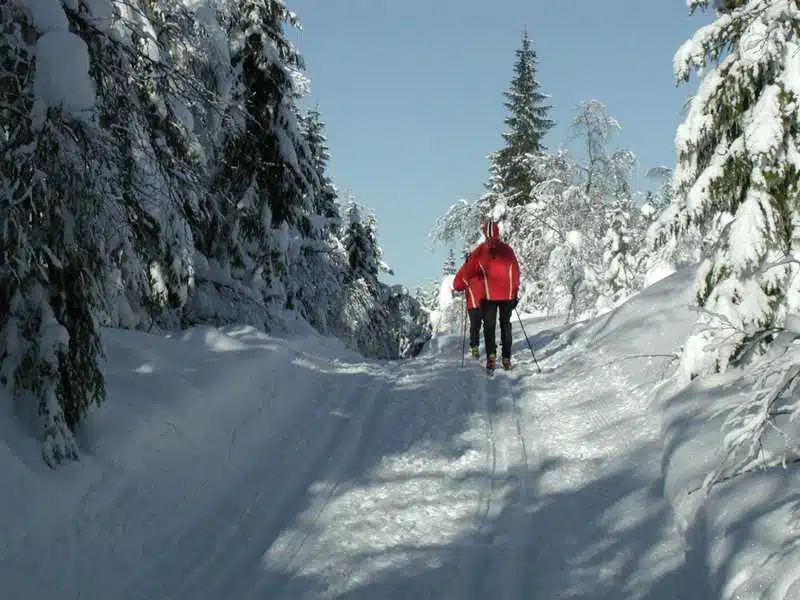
pixel 62 73
pixel 230 464
pixel 62 61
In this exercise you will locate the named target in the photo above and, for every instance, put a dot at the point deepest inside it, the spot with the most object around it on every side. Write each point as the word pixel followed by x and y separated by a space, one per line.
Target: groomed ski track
pixel 290 469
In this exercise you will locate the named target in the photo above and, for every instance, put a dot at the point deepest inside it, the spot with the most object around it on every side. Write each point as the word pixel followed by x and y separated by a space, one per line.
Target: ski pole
pixel 464 331
pixel 527 340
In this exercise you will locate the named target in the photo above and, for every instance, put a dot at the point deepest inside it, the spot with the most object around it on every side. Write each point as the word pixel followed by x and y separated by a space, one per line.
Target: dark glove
pixel 514 302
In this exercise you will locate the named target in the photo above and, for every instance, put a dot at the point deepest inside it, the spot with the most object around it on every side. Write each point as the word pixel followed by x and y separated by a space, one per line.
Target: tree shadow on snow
pixel 246 474
pixel 364 497
pixel 539 546
pixel 592 540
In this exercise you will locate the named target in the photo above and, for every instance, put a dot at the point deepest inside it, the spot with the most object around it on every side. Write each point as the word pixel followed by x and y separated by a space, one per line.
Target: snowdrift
pixel 745 531
pixel 747 524
pixel 189 418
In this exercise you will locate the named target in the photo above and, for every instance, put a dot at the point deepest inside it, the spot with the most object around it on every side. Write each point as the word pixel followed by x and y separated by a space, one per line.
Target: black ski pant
pixel 490 310
pixel 475 321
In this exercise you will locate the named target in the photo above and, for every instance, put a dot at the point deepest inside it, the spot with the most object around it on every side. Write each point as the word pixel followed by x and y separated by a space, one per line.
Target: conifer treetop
pixel 527 121
pixel 527 124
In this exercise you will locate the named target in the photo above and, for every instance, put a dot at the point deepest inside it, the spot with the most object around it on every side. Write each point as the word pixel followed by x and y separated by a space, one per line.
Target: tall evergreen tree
pixel 450 267
pixel 361 244
pixel 527 124
pixel 313 129
pixel 263 182
pixel 158 170
pixel 54 191
pixel 620 277
pixel 737 175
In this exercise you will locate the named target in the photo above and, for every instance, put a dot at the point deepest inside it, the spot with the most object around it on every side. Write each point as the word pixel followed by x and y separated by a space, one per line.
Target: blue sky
pixel 411 93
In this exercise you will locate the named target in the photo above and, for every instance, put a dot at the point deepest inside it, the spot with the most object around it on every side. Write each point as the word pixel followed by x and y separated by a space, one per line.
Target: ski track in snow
pixel 404 480
pixel 332 442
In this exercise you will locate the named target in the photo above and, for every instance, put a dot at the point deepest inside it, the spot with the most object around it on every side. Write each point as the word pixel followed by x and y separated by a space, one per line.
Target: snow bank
pixel 187 418
pixel 746 529
pixel 642 334
pixel 746 526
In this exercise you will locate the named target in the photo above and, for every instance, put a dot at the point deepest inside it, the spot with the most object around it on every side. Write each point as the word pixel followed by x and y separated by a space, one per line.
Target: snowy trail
pixel 291 469
pixel 565 482
pixel 256 508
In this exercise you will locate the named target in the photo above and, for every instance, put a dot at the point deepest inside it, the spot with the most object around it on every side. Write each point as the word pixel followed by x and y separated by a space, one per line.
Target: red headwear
pixel 491 231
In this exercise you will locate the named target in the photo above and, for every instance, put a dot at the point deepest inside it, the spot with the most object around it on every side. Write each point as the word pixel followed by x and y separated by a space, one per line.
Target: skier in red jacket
pixel 496 264
pixel 475 293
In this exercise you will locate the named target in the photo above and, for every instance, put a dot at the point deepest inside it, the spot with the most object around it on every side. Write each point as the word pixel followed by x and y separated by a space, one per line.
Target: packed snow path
pixel 237 466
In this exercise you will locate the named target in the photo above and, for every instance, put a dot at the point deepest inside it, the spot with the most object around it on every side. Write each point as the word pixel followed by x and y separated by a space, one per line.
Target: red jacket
pixel 496 264
pixel 473 286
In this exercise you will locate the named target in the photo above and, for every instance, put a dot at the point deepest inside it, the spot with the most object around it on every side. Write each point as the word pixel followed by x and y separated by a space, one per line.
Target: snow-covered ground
pixel 235 465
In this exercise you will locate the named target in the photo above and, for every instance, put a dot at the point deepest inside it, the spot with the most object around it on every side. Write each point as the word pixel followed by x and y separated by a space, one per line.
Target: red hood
pixel 491 231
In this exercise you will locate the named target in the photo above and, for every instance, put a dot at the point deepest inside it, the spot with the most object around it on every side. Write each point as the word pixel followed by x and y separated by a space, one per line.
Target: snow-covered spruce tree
pixel 527 124
pixel 325 199
pixel 659 255
pixel 511 177
pixel 622 241
pixel 427 295
pixel 229 264
pixel 52 194
pixel 449 312
pixel 319 256
pixel 262 184
pixel 212 216
pixel 378 320
pixel 621 276
pixel 143 62
pixel 250 264
pixel 165 153
pixel 493 204
pixel 125 288
pixel 273 177
pixel 450 267
pixel 140 60
pixel 662 197
pixel 364 255
pixel 737 176
pixel 656 201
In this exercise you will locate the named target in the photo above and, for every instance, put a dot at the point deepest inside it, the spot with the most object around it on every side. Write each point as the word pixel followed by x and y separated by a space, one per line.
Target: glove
pixel 514 302
pixel 456 293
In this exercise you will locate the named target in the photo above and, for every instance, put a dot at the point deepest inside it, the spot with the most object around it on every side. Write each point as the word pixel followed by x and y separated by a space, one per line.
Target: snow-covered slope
pixel 746 522
pixel 228 464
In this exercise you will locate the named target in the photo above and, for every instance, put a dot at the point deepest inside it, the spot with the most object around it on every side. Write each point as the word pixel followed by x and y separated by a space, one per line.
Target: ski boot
pixel 491 363
pixel 475 351
pixel 507 364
